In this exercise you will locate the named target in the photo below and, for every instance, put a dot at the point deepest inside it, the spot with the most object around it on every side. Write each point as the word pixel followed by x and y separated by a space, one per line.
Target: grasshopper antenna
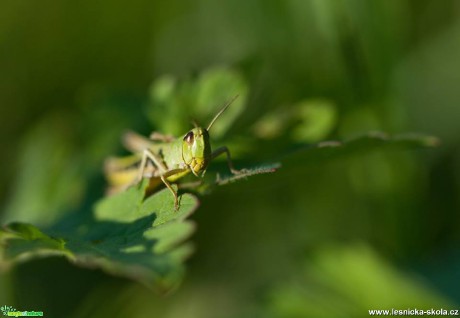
pixel 221 111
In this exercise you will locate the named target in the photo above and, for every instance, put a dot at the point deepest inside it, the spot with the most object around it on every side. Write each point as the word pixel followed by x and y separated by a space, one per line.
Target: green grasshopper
pixel 164 158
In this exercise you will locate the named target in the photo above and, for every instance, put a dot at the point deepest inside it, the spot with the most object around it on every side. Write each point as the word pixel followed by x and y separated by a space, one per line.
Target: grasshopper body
pixel 164 158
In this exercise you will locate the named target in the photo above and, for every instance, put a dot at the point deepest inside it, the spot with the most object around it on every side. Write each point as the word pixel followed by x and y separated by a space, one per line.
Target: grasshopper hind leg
pixel 156 136
pixel 163 172
pixel 156 160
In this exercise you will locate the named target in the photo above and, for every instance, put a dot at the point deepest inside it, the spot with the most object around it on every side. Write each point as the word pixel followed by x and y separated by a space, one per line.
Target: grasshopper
pixel 163 158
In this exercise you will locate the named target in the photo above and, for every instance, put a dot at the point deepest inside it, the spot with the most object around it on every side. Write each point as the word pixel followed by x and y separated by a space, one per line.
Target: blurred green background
pixel 331 238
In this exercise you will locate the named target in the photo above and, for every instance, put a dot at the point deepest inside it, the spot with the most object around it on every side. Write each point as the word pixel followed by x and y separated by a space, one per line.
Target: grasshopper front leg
pixel 225 150
pixel 168 185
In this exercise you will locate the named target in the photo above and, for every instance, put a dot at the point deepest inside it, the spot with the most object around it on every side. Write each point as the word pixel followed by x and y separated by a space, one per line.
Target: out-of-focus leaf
pixel 309 121
pixel 175 103
pixel 348 282
pixel 318 118
pixel 131 237
pixel 167 109
pixel 273 124
pixel 50 179
pixel 215 88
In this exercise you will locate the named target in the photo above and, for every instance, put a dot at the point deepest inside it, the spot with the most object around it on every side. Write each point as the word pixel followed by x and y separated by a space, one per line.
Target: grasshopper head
pixel 196 150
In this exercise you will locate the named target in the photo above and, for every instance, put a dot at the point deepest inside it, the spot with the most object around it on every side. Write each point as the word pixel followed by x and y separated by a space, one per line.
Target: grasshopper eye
pixel 189 137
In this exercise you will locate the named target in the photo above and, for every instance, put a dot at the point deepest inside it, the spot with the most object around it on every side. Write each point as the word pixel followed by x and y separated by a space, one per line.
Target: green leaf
pixel 167 109
pixel 214 178
pixel 50 177
pixel 174 104
pixel 245 173
pixel 355 279
pixel 215 87
pixel 128 236
pixel 309 120
pixel 370 141
pixel 318 118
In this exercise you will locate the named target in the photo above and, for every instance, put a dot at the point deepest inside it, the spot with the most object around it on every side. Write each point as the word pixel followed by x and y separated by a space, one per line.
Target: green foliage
pixel 47 159
pixel 139 238
pixel 282 245
pixel 306 121
pixel 364 143
pixel 353 280
pixel 128 236
pixel 174 104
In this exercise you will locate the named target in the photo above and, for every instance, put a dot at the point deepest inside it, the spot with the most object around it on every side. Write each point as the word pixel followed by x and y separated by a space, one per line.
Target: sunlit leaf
pixel 131 237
